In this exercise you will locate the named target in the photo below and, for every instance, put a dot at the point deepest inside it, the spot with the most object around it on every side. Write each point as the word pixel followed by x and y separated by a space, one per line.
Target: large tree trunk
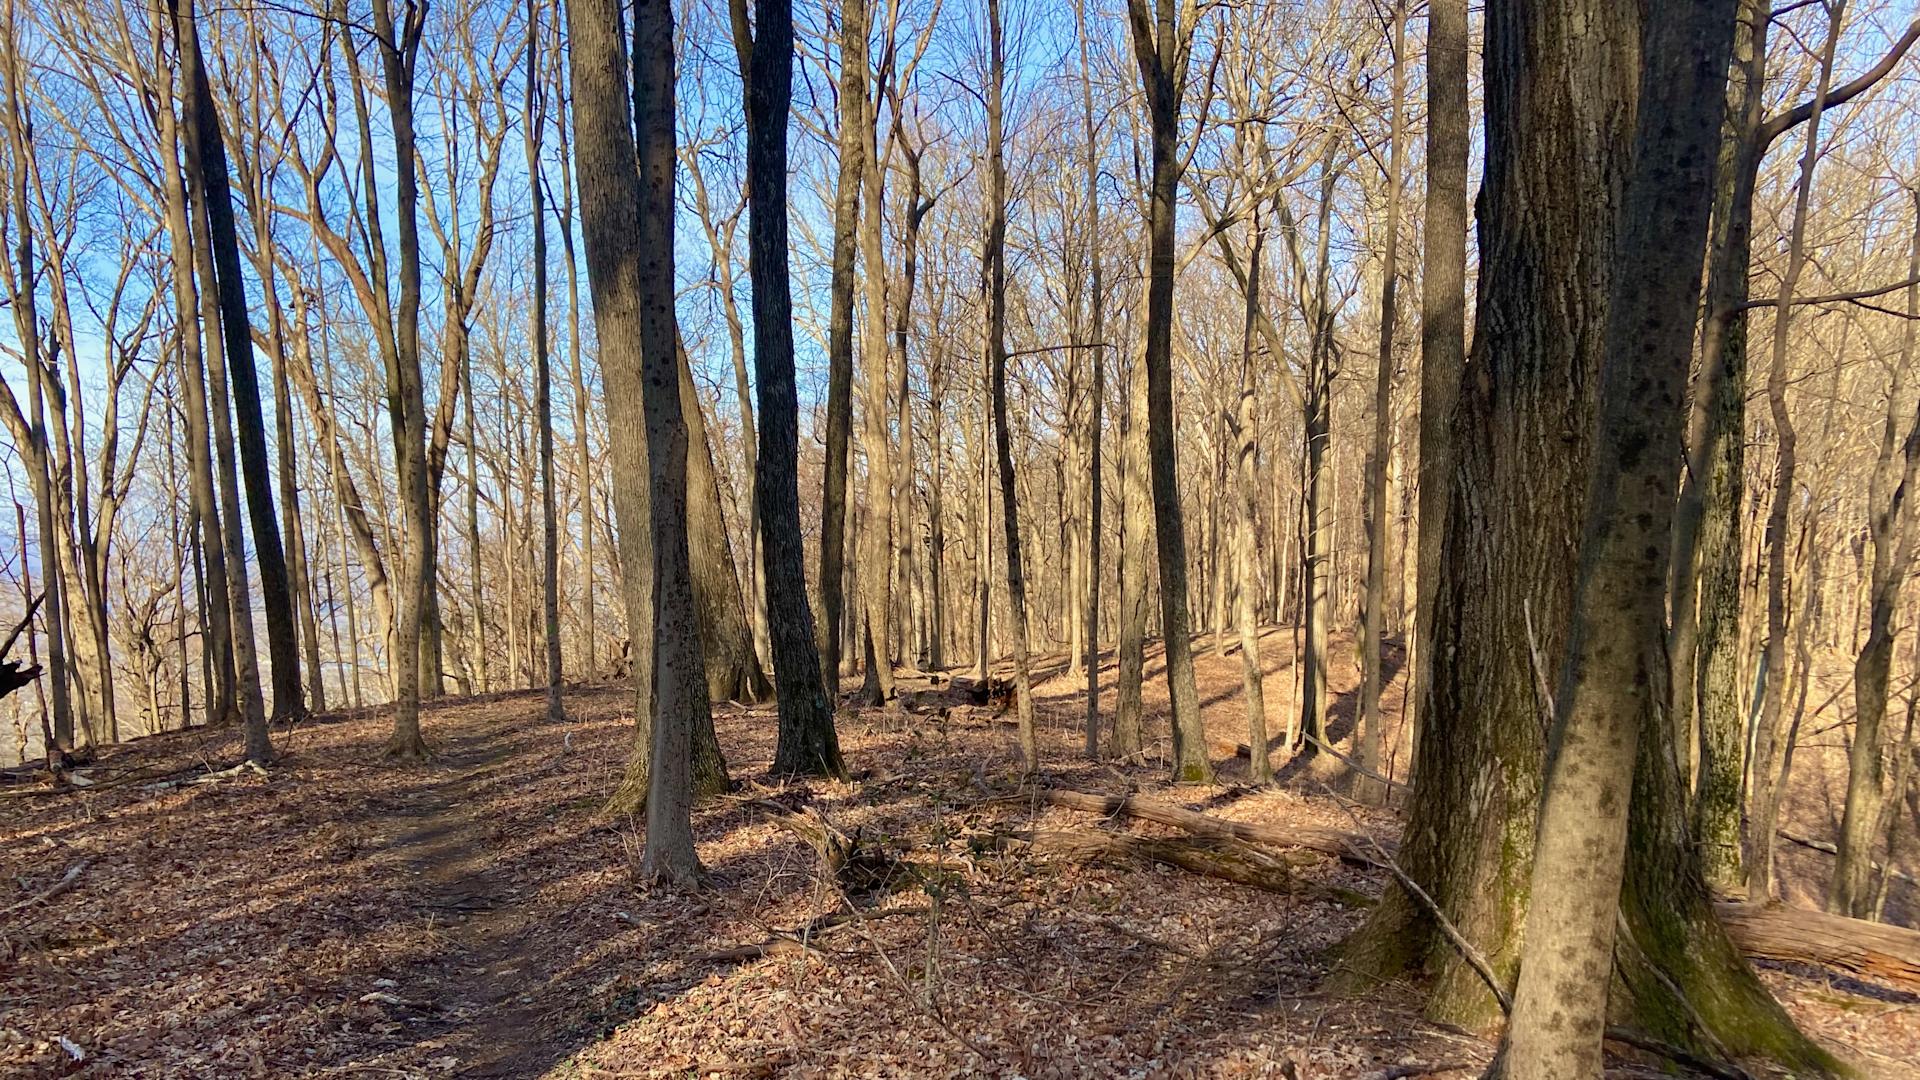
pixel 876 592
pixel 807 741
pixel 1610 689
pixel 1162 49
pixel 1442 322
pixel 679 680
pixel 1517 488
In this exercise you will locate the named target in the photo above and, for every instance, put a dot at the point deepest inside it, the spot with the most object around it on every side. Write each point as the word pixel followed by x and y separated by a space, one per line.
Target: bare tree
pixel 1163 46
pixel 764 44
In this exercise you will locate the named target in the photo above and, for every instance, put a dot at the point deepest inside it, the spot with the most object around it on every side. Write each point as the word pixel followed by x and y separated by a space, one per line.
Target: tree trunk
pixel 1259 763
pixel 27 326
pixel 1704 641
pixel 1317 569
pixel 807 741
pixel 1525 418
pixel 542 385
pixel 679 679
pixel 1096 392
pixel 876 592
pixel 855 132
pixel 1442 324
pixel 1371 736
pixel 1764 791
pixel 283 642
pixel 406 401
pixel 1162 50
pixel 1610 689
pixel 726 641
pixel 995 288
pixel 1890 529
pixel 1135 538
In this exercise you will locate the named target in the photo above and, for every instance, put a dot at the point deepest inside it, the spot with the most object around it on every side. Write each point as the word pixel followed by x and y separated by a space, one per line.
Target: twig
pixel 66 882
pixel 1834 849
pixel 7 645
pixel 800 938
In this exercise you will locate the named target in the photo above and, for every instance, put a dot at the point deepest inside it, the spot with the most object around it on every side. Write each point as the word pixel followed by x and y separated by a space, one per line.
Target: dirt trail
pixel 483 986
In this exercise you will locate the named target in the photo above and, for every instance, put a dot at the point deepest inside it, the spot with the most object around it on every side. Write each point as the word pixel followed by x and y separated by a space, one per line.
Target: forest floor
pixel 476 916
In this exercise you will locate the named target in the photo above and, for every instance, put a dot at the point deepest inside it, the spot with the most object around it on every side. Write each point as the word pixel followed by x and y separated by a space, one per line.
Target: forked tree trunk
pixel 406 401
pixel 1610 690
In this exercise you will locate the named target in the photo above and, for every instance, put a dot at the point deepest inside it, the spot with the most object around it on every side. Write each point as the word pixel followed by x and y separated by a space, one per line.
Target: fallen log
pixel 1802 936
pixel 1347 845
pixel 1211 856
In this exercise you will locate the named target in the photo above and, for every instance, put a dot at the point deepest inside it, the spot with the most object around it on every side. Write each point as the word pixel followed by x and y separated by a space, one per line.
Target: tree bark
pixel 1610 688
pixel 406 401
pixel 1516 491
pixel 807 742
pixel 1764 791
pixel 27 326
pixel 994 286
pixel 1704 641
pixel 1371 737
pixel 543 383
pixel 1890 530
pixel 1162 43
pixel 855 132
